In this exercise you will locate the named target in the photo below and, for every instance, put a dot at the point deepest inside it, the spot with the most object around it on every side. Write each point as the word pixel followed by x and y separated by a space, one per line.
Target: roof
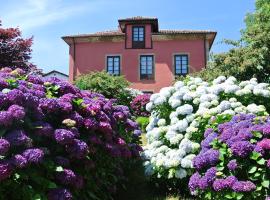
pixel 139 19
pixel 160 32
pixel 133 20
pixel 54 71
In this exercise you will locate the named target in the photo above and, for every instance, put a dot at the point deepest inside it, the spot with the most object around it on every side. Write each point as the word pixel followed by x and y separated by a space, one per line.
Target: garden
pixel 207 136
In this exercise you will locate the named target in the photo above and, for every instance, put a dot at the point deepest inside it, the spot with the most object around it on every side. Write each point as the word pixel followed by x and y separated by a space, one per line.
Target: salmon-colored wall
pixel 92 56
pixel 148 35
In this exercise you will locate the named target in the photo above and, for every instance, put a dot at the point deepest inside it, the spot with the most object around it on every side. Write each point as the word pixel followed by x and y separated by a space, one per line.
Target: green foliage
pixel 250 56
pixel 143 122
pixel 106 84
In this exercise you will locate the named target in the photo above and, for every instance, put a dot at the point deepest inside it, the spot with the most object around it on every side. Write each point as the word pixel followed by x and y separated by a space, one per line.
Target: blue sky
pixel 48 20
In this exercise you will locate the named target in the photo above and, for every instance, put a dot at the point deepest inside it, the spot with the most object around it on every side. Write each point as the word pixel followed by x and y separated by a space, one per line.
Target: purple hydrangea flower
pixel 208 158
pixel 78 149
pixel 64 162
pixel 221 184
pixel 5 170
pixel 208 178
pixel 33 155
pixel 17 138
pixel 43 129
pixel 5 118
pixel 208 131
pixel 63 136
pixel 194 182
pixel 242 148
pixel 232 165
pixel 19 161
pixel 266 129
pixel 268 163
pixel 264 144
pixel 4 146
pixel 59 194
pixel 243 186
pixel 90 123
pixel 66 177
pixel 15 96
pixel 17 112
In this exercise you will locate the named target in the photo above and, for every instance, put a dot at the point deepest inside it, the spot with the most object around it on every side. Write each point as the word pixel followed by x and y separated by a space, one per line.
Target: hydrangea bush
pixel 138 105
pixel 180 114
pixel 60 143
pixel 234 160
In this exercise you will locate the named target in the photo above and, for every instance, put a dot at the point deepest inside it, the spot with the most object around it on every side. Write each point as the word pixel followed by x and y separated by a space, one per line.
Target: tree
pixel 250 56
pixel 15 51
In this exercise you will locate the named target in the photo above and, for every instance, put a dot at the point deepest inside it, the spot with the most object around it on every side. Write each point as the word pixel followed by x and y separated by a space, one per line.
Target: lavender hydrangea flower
pixel 33 155
pixel 242 148
pixel 4 146
pixel 15 96
pixel 232 165
pixel 19 161
pixel 243 186
pixel 63 136
pixel 59 194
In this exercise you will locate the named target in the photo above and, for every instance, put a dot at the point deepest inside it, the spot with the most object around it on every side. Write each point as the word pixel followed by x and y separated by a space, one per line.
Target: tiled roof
pixel 102 33
pixel 161 32
pixel 184 31
pixel 138 18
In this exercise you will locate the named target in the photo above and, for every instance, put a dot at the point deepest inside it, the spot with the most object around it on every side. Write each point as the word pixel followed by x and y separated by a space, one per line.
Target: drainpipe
pixel 74 59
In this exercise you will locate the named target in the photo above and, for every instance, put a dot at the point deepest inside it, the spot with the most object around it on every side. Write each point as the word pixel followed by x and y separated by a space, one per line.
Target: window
pixel 113 65
pixel 138 38
pixel 146 67
pixel 181 65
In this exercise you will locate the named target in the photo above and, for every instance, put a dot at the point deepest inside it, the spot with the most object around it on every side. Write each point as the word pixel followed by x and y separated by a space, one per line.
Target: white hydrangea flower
pixel 185 109
pixel 161 122
pixel 181 173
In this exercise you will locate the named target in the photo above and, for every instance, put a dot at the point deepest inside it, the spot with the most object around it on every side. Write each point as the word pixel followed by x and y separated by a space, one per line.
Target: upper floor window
pixel 181 65
pixel 113 65
pixel 138 37
pixel 147 67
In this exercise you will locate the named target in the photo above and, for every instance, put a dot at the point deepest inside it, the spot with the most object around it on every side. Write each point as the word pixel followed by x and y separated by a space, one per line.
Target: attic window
pixel 138 37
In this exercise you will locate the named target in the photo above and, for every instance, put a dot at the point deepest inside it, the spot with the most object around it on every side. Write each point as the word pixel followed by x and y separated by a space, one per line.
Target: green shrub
pixel 143 122
pixel 106 84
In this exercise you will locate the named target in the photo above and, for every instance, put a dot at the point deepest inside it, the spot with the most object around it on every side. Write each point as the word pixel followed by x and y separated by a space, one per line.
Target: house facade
pixel 56 74
pixel 150 58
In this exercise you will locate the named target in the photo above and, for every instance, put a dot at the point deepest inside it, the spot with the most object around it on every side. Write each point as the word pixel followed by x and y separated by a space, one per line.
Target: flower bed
pixel 234 160
pixel 138 105
pixel 181 113
pixel 58 142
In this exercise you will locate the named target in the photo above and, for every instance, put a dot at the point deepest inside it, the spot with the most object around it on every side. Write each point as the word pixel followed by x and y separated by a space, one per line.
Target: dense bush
pixel 138 105
pixel 234 160
pixel 60 143
pixel 106 84
pixel 179 115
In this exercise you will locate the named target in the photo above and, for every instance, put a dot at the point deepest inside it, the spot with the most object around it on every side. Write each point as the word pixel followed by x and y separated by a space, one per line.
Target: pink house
pixel 148 57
